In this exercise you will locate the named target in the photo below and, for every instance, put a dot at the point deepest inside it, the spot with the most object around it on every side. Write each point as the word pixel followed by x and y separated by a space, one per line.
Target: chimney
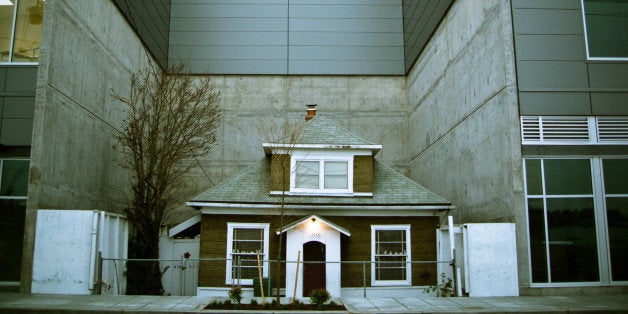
pixel 311 111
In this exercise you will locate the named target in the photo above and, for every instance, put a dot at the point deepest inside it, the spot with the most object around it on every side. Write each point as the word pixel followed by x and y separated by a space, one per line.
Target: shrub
pixel 253 302
pixel 319 297
pixel 235 294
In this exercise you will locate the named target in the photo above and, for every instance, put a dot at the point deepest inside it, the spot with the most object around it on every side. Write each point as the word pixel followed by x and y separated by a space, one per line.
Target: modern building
pixel 513 110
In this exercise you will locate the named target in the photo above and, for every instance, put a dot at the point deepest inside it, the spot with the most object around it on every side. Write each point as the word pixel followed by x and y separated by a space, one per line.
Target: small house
pixel 345 221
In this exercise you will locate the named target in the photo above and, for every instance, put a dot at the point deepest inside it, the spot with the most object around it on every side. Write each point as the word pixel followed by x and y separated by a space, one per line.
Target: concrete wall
pixel 554 75
pixel 464 121
pixel 372 107
pixel 87 50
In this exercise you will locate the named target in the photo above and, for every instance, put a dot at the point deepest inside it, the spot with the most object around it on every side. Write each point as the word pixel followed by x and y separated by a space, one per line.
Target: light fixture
pixel 313 219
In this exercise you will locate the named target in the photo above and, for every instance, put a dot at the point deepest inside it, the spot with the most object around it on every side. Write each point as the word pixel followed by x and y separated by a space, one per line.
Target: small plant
pixel 235 294
pixel 319 297
pixel 444 289
pixel 253 302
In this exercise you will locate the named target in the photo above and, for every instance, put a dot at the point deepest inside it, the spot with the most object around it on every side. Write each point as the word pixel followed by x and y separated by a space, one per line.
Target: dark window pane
pixel 533 177
pixel 14 178
pixel 536 219
pixel 615 176
pixel 567 176
pixel 11 233
pixel 617 218
pixel 607 22
pixel 572 240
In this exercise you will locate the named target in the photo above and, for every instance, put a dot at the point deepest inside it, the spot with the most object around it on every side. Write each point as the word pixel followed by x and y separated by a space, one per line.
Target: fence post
pixel 98 287
pixel 239 269
pixel 364 277
pixel 453 269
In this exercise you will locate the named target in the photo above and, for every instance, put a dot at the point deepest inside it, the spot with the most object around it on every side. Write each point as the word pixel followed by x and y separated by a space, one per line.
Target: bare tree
pixel 171 117
pixel 283 138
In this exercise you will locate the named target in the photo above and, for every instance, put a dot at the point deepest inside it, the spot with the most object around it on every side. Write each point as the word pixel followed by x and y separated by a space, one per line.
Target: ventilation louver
pixel 555 130
pixel 612 129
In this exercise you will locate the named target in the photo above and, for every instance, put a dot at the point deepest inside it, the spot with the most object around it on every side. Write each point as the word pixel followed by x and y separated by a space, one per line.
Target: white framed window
pixel 245 243
pixel 390 255
pixel 605 29
pixel 321 174
pixel 577 215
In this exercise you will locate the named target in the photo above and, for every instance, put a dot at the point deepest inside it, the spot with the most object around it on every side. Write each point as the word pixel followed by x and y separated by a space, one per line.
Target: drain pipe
pixel 92 257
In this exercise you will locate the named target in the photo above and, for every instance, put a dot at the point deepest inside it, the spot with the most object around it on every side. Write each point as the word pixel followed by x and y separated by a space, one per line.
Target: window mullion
pixel 547 243
pixel 600 220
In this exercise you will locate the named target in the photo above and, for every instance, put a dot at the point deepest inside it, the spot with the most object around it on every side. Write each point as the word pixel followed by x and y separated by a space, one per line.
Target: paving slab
pixel 69 304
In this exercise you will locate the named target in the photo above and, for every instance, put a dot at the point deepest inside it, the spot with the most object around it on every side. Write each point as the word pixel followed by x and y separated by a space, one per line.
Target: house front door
pixel 314 274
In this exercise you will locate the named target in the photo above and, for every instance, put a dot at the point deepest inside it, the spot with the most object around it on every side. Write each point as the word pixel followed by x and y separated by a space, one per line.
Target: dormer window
pixel 317 173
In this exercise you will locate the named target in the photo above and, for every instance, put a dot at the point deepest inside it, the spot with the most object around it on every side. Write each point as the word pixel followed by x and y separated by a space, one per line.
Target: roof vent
pixel 311 111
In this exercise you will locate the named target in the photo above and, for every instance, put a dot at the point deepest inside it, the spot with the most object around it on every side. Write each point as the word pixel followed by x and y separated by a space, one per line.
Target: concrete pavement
pixel 27 303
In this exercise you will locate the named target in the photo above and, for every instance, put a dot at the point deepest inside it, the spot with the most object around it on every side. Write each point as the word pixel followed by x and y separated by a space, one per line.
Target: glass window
pixel 6 29
pixel 577 218
pixel 14 178
pixel 246 242
pixel 11 233
pixel 13 185
pixel 572 240
pixel 20 30
pixel 606 22
pixel 336 175
pixel 307 173
pixel 314 175
pixel 567 176
pixel 616 193
pixel 390 254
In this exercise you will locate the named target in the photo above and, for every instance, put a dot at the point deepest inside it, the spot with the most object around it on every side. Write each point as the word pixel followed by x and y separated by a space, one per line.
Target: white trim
pixel 300 221
pixel 278 148
pixel 586 40
pixel 331 210
pixel 354 194
pixel 184 225
pixel 408 255
pixel 241 225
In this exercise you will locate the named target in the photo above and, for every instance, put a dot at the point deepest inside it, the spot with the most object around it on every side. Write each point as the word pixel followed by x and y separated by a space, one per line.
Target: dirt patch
pixel 227 305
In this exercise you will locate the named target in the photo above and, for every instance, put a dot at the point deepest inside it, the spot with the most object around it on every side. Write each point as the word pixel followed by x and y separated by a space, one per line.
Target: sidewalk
pixel 26 303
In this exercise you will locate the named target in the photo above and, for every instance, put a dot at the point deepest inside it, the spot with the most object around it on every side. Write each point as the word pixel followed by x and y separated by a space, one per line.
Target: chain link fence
pixel 348 278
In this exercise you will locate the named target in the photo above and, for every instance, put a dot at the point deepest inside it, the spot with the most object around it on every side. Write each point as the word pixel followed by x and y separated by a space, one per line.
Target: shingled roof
pixel 321 130
pixel 252 186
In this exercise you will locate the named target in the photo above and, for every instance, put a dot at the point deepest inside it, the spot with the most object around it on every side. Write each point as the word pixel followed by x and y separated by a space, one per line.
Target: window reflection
pixel 20 30
pixel 572 240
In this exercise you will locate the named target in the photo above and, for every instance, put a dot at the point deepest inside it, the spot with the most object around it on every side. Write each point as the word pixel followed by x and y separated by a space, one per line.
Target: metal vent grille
pixel 612 129
pixel 555 129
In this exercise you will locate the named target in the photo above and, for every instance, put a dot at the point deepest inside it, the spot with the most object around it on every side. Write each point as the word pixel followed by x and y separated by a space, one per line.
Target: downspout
pixel 92 257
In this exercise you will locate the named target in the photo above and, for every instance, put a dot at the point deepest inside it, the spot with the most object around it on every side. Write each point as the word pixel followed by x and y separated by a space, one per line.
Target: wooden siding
pixel 554 75
pixel 362 174
pixel 357 247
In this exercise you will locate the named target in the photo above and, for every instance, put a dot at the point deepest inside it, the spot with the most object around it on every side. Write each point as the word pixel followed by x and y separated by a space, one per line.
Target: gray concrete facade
pixel 464 121
pixel 87 50
pixel 451 123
